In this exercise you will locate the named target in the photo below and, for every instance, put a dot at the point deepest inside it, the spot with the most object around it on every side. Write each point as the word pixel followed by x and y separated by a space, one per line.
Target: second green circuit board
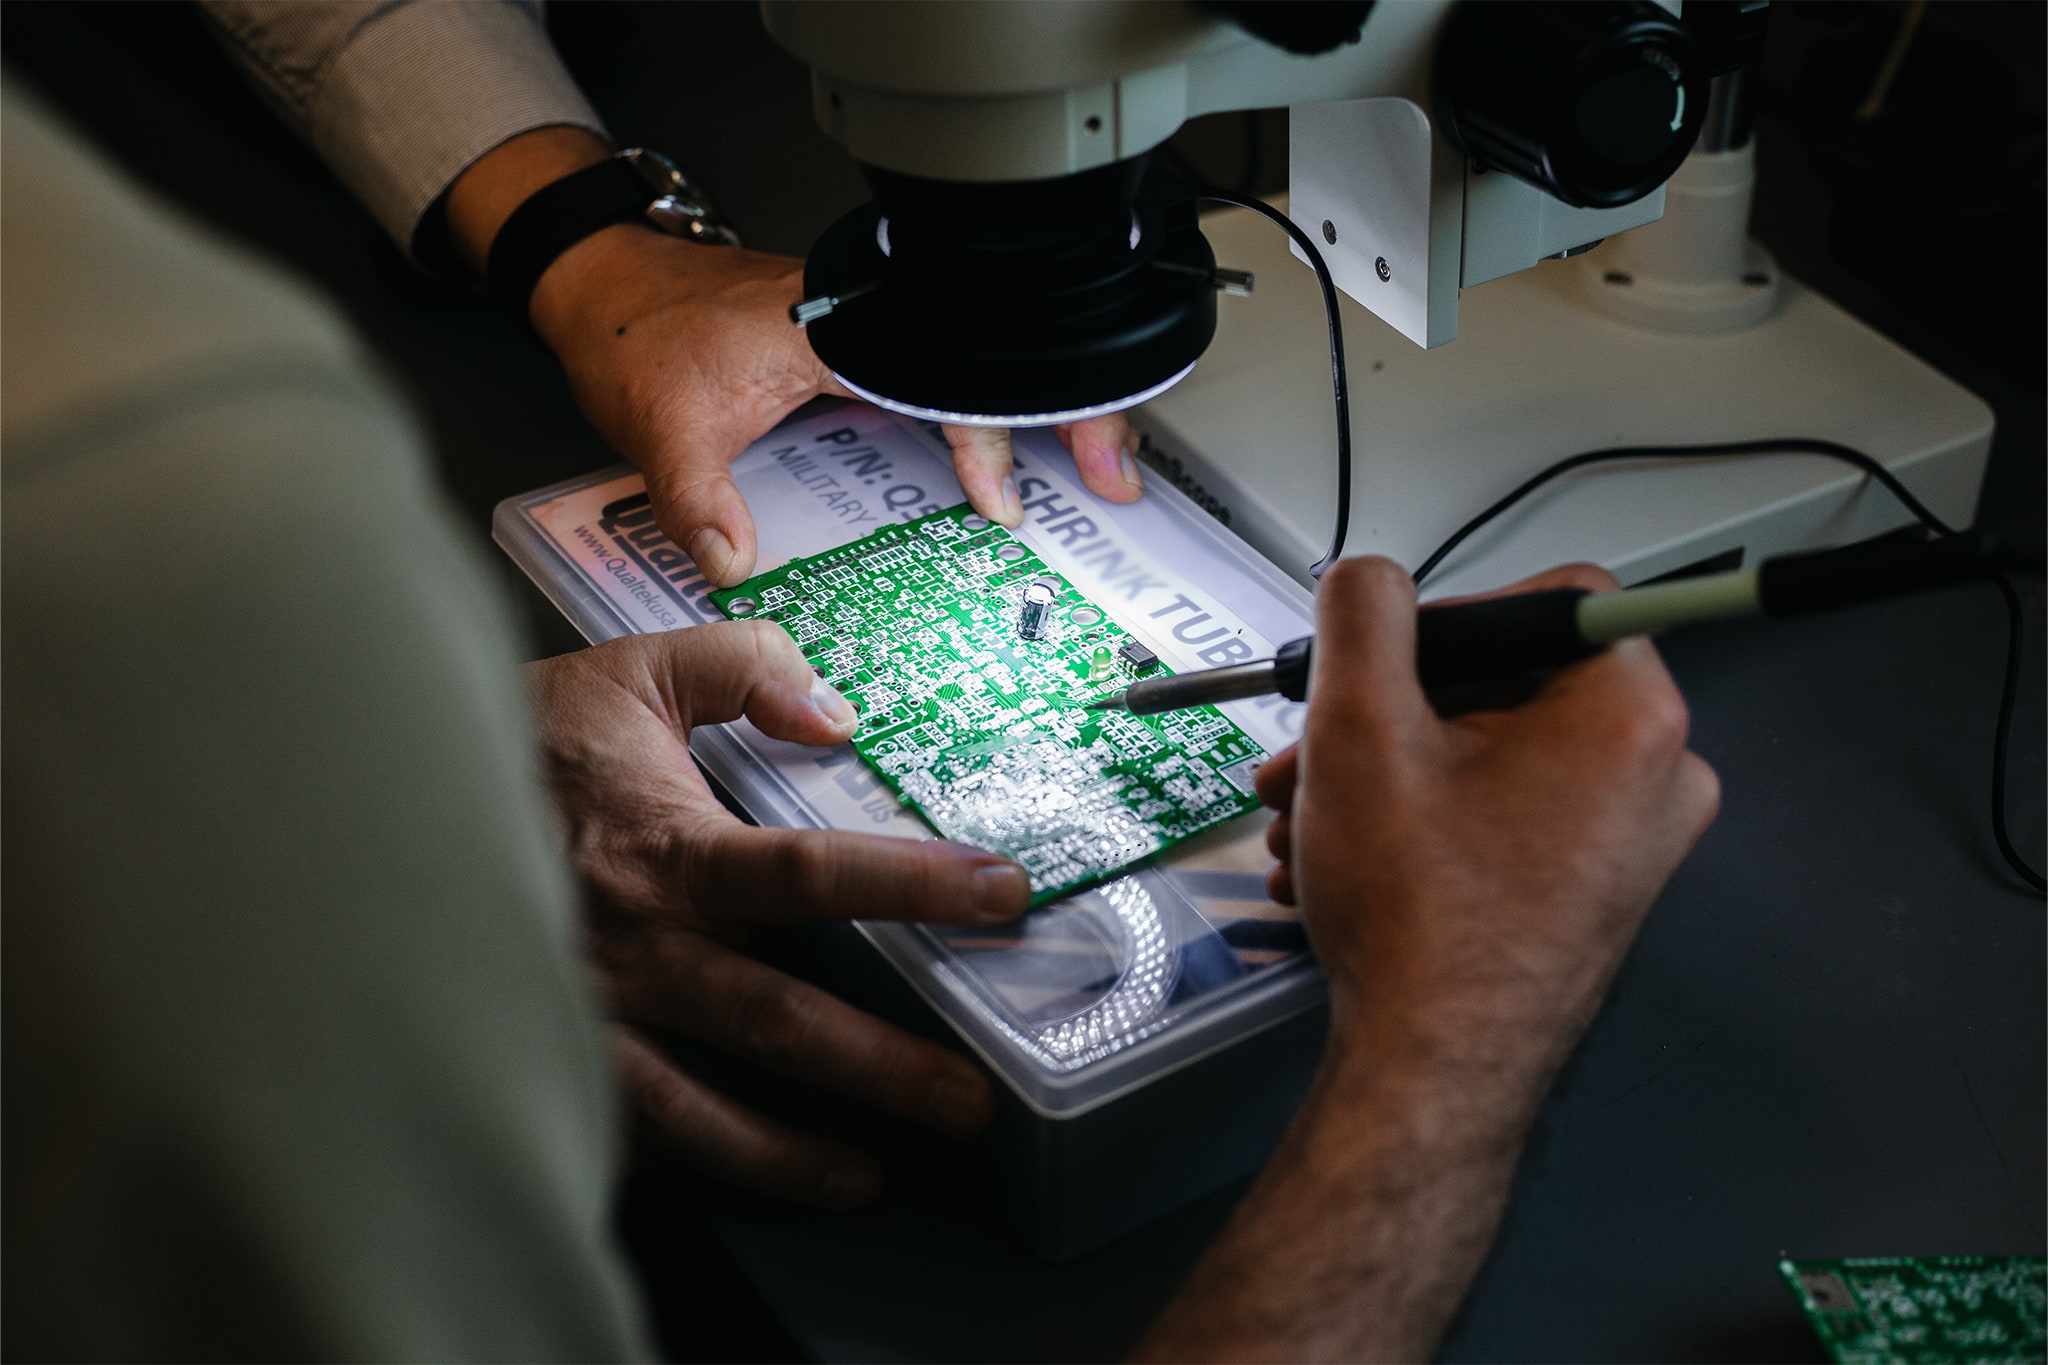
pixel 971 663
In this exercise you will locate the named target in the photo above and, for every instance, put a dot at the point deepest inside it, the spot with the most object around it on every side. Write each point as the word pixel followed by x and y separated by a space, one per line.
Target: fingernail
pixel 1001 889
pixel 1013 507
pixel 847 1186
pixel 960 1103
pixel 711 550
pixel 1129 466
pixel 833 707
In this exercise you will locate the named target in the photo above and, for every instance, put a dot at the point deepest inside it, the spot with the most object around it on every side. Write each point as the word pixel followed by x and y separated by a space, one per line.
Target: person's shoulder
pixel 176 403
pixel 113 298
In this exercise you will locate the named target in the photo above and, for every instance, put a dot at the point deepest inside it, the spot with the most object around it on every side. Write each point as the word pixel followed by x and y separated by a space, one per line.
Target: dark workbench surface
pixel 1829 1040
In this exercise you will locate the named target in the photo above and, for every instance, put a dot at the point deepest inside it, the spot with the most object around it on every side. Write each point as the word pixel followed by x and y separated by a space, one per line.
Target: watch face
pixel 674 216
pixel 680 218
pixel 678 207
pixel 661 174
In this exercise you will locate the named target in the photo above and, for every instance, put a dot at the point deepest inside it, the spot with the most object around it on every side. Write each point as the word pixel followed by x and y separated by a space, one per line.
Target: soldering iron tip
pixel 1115 703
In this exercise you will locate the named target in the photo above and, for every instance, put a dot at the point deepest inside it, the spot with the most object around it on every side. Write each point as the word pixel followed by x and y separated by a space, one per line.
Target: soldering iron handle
pixel 1787 585
pixel 1471 644
pixel 1290 668
pixel 1499 637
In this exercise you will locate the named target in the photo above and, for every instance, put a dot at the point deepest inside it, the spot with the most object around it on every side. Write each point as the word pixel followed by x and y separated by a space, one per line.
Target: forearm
pixel 1370 1220
pixel 485 195
pixel 1462 970
pixel 401 98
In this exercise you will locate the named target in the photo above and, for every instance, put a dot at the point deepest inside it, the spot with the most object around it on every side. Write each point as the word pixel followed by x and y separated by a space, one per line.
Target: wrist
pixel 1467 1078
pixel 599 269
pixel 502 179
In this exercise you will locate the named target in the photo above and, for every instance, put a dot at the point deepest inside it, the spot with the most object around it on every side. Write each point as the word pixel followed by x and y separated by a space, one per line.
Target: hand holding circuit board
pixel 678 886
pixel 973 665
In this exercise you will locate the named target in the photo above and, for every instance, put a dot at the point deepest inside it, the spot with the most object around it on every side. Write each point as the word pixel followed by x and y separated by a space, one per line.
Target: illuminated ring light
pixel 1013 304
pixel 1151 970
pixel 1017 419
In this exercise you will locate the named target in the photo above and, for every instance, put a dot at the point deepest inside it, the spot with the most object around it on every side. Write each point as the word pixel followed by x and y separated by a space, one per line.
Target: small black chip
pixel 1137 656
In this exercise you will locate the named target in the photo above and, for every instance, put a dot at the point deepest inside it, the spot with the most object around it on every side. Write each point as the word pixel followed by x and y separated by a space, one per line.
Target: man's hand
pixel 682 355
pixel 1470 886
pixel 1496 864
pixel 676 882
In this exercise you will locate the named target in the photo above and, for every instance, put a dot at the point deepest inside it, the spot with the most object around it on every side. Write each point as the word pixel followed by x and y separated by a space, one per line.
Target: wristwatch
pixel 634 184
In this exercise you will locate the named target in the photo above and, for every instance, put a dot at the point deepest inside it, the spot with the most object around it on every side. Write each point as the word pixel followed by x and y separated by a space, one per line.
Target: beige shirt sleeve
pixel 401 97
pixel 300 1061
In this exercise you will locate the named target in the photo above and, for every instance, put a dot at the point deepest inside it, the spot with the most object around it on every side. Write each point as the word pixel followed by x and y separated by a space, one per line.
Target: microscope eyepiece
pixel 1596 103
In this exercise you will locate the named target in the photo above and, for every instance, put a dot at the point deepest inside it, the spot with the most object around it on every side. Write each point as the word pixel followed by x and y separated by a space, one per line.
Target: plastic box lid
pixel 1083 1001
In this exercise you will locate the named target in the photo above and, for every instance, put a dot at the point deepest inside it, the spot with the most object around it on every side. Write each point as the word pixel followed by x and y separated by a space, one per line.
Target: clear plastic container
pixel 1153 1034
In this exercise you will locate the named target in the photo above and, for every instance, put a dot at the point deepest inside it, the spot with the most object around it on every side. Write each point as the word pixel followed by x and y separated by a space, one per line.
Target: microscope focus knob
pixel 1594 103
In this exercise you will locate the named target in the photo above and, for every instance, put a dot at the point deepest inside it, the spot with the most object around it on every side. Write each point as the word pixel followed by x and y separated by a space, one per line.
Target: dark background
pixel 1846 921
pixel 1926 222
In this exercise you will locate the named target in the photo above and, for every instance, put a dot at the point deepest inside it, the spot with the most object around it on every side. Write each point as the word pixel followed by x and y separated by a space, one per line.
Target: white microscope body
pixel 1679 332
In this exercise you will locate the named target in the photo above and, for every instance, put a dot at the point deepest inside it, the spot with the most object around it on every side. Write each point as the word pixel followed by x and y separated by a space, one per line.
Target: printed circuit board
pixel 1926 1309
pixel 971 662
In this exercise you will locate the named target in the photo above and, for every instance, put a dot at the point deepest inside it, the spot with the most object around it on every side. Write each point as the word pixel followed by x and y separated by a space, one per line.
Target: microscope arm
pixel 1032 89
pixel 1035 90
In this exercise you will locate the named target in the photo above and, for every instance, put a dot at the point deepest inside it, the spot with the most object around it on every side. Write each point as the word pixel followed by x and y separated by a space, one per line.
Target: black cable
pixel 1339 387
pixel 2008 693
pixel 1169 156
pixel 2014 619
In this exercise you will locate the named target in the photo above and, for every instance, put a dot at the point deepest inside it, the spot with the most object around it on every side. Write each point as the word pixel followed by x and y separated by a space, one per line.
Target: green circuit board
pixel 1926 1309
pixel 971 662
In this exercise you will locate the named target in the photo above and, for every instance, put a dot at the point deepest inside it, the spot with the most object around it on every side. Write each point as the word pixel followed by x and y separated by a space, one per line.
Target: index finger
pixel 1363 673
pixel 745 874
pixel 1591 577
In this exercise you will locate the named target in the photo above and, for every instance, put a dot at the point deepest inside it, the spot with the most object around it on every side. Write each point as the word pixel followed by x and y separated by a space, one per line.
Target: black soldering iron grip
pixel 1789 584
pixel 1499 638
pixel 1290 668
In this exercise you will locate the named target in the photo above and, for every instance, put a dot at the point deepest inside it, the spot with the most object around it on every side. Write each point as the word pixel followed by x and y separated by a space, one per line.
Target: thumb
pixel 700 508
pixel 981 459
pixel 713 673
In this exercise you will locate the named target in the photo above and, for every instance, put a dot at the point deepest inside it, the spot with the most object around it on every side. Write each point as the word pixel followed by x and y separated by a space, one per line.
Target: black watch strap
pixel 635 184
pixel 557 216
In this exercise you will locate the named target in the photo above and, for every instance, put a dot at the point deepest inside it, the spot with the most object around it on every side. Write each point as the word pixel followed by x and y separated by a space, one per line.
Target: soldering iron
pixel 1470 655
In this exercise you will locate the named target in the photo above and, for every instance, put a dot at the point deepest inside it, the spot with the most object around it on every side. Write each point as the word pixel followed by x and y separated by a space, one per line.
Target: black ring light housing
pixel 1017 303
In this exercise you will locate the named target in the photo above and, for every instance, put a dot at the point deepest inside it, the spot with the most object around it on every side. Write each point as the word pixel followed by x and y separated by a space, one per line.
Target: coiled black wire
pixel 1340 391
pixel 1340 388
pixel 2008 693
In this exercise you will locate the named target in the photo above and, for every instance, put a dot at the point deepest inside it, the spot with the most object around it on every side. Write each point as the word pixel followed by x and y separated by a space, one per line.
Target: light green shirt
pixel 299 1061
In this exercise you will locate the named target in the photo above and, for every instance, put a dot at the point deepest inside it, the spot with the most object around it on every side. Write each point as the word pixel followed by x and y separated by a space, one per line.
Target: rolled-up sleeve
pixel 400 98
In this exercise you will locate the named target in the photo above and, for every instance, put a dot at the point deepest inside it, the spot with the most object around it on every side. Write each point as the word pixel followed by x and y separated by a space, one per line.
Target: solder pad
pixel 984 732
